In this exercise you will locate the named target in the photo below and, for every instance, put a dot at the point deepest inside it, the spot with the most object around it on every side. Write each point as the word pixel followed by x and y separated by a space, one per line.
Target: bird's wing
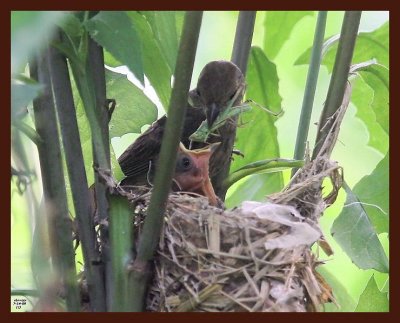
pixel 139 156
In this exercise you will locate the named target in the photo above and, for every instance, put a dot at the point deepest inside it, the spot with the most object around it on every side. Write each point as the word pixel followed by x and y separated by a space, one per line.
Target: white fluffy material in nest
pixel 253 258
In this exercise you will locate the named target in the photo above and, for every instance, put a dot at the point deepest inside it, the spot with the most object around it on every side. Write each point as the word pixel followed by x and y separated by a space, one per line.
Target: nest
pixel 253 258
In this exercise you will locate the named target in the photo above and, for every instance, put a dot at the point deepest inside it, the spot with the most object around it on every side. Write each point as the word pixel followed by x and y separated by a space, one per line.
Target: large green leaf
pixel 85 137
pixel 278 26
pixel 133 108
pixel 354 232
pixel 362 96
pixel 373 192
pixel 368 46
pixel 377 78
pixel 163 26
pixel 256 138
pixel 114 31
pixel 155 66
pixel 372 299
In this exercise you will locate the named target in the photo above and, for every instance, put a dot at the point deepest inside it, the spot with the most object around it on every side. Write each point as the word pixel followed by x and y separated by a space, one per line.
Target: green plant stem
pixel 243 38
pixel 271 165
pixel 348 36
pixel 311 85
pixel 169 147
pixel 59 222
pixel 96 68
pixel 121 240
pixel 25 292
pixel 240 57
pixel 27 131
pixel 77 177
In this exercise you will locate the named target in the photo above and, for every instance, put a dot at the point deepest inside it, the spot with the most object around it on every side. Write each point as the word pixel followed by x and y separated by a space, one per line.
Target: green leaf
pixel 368 46
pixel 278 26
pixel 263 166
pixel 114 31
pixel 22 95
pixel 115 167
pixel 343 298
pixel 373 192
pixel 254 188
pixel 133 108
pixel 372 299
pixel 85 136
pixel 362 97
pixel 256 136
pixel 29 32
pixel 110 60
pixel 377 78
pixel 71 25
pixel 155 66
pixel 354 232
pixel 163 26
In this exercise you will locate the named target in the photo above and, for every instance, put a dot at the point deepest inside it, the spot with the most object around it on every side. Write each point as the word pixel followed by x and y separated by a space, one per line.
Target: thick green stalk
pixel 348 36
pixel 311 85
pixel 169 147
pixel 243 38
pixel 121 240
pixel 96 68
pixel 60 224
pixel 77 177
pixel 240 56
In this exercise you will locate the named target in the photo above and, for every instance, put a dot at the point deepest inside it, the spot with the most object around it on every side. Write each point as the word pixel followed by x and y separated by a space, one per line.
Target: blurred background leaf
pixel 29 32
pixel 368 46
pixel 278 27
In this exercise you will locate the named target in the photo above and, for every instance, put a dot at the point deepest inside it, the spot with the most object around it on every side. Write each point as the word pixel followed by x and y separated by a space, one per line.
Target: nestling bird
pixel 191 170
pixel 218 83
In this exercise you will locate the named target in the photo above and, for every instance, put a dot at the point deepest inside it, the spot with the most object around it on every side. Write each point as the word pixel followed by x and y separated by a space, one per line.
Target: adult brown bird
pixel 218 83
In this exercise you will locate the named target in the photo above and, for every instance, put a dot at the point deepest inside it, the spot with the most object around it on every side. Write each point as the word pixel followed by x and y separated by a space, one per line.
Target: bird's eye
pixel 185 163
pixel 198 92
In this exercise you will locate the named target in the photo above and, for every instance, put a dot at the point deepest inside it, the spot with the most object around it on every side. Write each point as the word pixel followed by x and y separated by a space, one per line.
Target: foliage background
pixel 352 151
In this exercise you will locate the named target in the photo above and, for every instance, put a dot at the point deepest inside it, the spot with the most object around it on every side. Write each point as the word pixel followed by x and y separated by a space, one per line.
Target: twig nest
pixel 253 258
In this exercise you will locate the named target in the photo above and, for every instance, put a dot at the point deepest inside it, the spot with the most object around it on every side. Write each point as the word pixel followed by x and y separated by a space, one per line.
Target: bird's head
pixel 191 172
pixel 218 83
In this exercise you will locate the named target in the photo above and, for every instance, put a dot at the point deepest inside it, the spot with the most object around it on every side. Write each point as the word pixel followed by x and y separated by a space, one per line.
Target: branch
pixel 77 177
pixel 60 229
pixel 243 38
pixel 240 56
pixel 311 84
pixel 348 36
pixel 169 147
pixel 96 68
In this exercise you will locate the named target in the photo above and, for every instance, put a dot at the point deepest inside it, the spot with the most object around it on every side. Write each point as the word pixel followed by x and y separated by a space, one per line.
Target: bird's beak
pixel 212 112
pixel 201 158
